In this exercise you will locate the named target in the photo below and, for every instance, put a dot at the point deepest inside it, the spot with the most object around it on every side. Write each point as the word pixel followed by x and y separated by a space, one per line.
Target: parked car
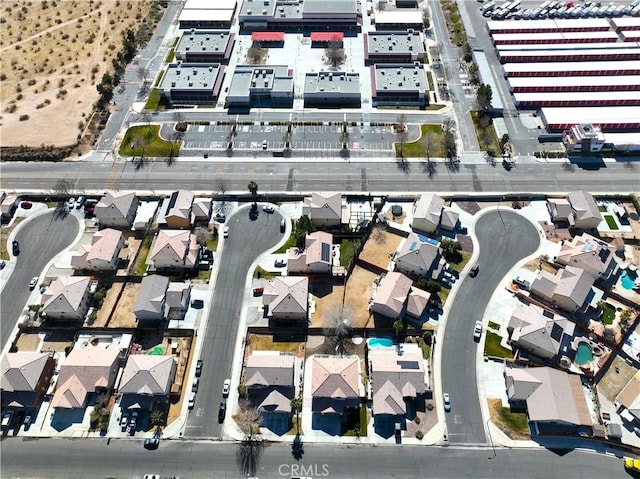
pixel 268 209
pixel 80 202
pixel 475 269
pixel 194 385
pixel 192 400
pixel 220 218
pixel 225 231
pixel 3 263
pixel 265 145
pixel 15 247
pixel 26 205
pixel 27 421
pixel 258 291
pixel 197 303
pixel 524 284
pixel 222 412
pixel 279 263
pixel 7 417
pixel 71 202
pixel 151 476
pixel 226 387
pixel 33 283
pixel 151 443
pixel 447 402
pixel 283 225
pixel 199 368
pixel 124 421
pixel 477 331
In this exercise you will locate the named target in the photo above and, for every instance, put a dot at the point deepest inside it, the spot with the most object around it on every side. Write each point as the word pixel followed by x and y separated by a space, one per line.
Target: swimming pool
pixel 628 279
pixel 583 354
pixel 380 342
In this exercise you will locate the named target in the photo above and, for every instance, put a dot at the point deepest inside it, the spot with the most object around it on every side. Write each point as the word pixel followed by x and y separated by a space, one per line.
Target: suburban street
pixel 247 240
pixel 504 238
pixel 326 173
pixel 41 238
pixel 72 459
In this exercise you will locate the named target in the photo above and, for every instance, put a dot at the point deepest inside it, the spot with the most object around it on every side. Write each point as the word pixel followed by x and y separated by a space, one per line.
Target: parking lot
pixel 302 137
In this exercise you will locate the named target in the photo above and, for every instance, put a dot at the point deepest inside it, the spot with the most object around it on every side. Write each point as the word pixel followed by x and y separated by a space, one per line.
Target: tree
pixel 248 455
pixel 450 145
pixel 466 52
pixel 334 54
pixel 253 189
pixel 503 141
pixel 249 418
pixel 398 326
pixel 430 285
pixel 426 19
pixel 483 98
pixel 429 142
pixel 157 417
pixel 296 406
pixel 337 329
pixel 301 229
pixel 255 53
pixel 401 130
pixel 451 250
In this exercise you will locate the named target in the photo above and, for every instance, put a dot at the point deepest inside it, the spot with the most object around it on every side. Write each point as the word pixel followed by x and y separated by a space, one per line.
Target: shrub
pixel 419 435
pixel 416 420
pixel 23 117
pixel 429 406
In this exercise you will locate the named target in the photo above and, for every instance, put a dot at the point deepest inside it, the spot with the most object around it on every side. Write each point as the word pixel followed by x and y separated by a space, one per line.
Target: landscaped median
pixel 430 144
pixel 143 140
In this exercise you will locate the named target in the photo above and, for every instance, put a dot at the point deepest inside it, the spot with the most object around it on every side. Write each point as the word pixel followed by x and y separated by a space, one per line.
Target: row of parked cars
pixel 559 9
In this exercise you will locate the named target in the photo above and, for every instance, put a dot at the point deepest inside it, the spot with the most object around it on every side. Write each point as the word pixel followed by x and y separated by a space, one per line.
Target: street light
pixel 500 214
pixel 491 439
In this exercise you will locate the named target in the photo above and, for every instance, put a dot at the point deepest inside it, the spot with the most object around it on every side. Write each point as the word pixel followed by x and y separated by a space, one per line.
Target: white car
pixel 268 209
pixel 33 282
pixel 225 231
pixel 477 331
pixel 447 402
pixel 192 400
pixel 226 387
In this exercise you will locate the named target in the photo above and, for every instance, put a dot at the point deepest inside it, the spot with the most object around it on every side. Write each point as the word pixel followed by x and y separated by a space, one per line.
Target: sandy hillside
pixel 53 54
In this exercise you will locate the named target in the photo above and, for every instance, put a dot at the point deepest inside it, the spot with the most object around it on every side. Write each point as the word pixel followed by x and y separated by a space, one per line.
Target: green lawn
pixel 144 140
pixel 347 250
pixel 493 348
pixel 140 265
pixel 516 421
pixel 291 242
pixel 261 273
pixel 493 325
pixel 487 138
pixel 417 149
pixel 155 100
pixel 204 275
pixel 611 222
pixel 608 314
pixel 212 242
pixel 430 80
pixel 426 349
pixel 364 419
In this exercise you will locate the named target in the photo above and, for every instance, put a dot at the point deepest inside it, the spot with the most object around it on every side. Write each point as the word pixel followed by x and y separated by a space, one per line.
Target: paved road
pixel 71 459
pixel 320 174
pixel 247 240
pixel 41 238
pixel 504 238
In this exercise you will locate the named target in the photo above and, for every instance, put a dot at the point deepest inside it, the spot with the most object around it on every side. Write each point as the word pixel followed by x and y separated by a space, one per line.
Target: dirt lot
pixel 54 53
pixel 58 340
pixel 123 316
pixel 28 342
pixel 613 382
pixel 380 244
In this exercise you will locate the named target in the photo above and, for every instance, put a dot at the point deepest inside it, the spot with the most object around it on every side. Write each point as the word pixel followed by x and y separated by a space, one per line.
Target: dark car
pixel 258 291
pixel 222 412
pixel 474 270
pixel 15 246
pixel 26 205
pixel 151 443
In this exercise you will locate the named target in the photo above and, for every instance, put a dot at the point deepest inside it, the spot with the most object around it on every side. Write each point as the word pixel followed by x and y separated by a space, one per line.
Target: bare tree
pixel 450 145
pixel 249 418
pixel 334 54
pixel 62 189
pixel 255 53
pixel 248 455
pixel 401 130
pixel 338 320
pixel 429 142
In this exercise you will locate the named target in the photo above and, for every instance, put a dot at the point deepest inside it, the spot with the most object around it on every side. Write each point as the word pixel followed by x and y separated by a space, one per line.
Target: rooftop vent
pixel 190 83
pixel 173 84
pixel 249 10
pixel 210 68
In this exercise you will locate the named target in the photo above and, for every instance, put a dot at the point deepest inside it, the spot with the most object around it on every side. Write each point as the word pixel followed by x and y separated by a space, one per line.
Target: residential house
pixel 570 288
pixel 324 209
pixel 590 254
pixel 551 397
pixel 417 303
pixel 426 213
pixel 174 249
pixel 560 210
pixel 629 397
pixel 178 209
pixel 85 372
pixel 390 295
pixel 270 381
pixel 146 381
pixel 316 257
pixel 117 209
pixel 201 211
pixel 286 298
pixel 102 254
pixel 26 377
pixel 335 384
pixel 586 215
pixel 8 205
pixel 160 299
pixel 67 298
pixel 538 331
pixel 420 256
pixel 449 219
pixel 397 379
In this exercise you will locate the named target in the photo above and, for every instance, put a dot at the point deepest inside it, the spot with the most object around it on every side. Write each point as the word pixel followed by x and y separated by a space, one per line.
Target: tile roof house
pixel 569 288
pixel 83 372
pixel 591 254
pixel 420 256
pixel 102 254
pixel 174 249
pixel 550 396
pixel 201 211
pixel 26 377
pixel 117 209
pixel 67 298
pixel 178 209
pixel 397 376
pixel 287 298
pixel 449 219
pixel 269 377
pixel 390 295
pixel 316 257
pixel 159 299
pixel 426 213
pixel 560 210
pixel 324 209
pixel 629 396
pixel 146 379
pixel 335 383
pixel 538 331
pixel 586 215
pixel 417 302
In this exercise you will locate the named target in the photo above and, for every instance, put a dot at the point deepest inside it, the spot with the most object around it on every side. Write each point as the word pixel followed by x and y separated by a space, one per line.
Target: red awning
pixel 267 36
pixel 326 36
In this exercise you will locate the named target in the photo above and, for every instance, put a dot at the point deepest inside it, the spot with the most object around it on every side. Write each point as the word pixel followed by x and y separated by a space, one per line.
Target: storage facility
pixel 566 46
pixel 632 53
pixel 541 26
pixel 554 69
pixel 607 118
pixel 554 38
pixel 625 24
pixel 485 75
pixel 577 98
pixel 570 84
